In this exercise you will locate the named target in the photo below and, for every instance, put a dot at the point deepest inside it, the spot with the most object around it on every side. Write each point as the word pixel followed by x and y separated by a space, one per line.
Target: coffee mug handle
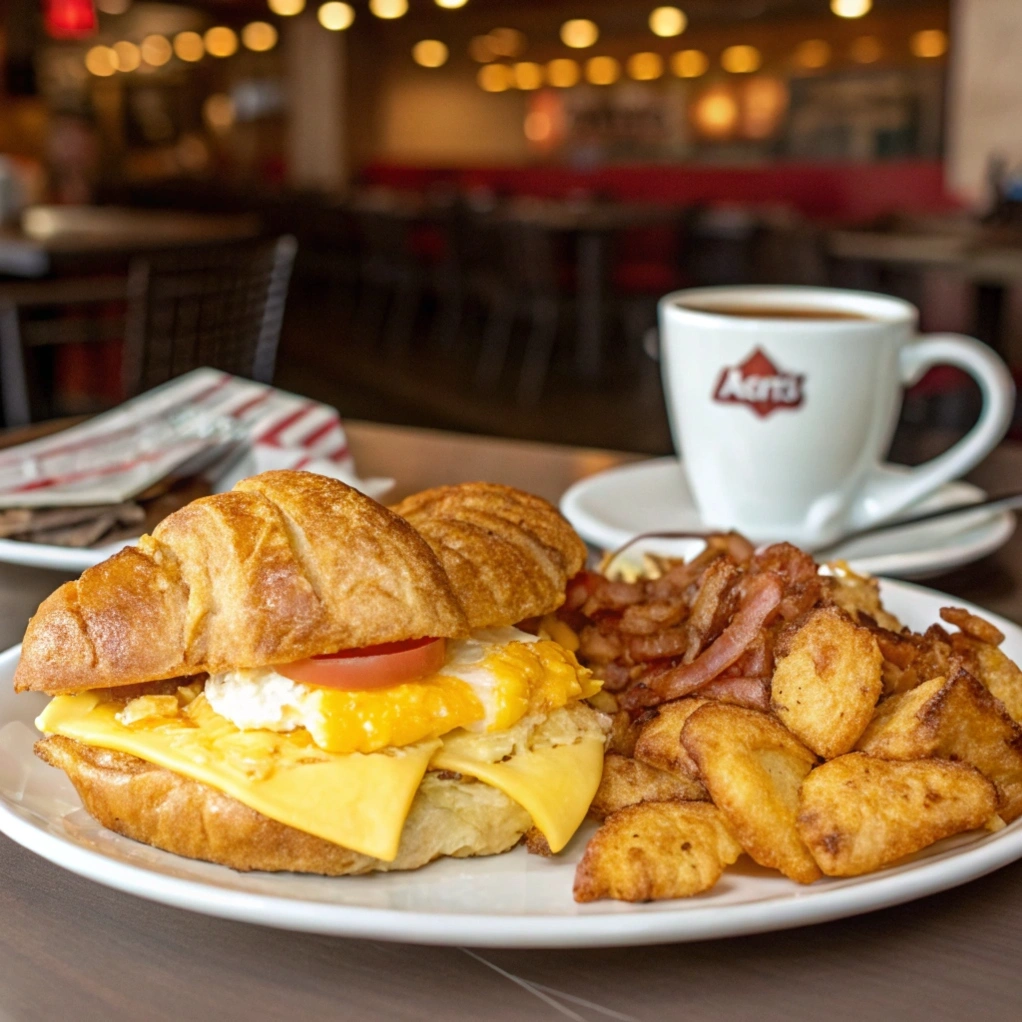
pixel 887 493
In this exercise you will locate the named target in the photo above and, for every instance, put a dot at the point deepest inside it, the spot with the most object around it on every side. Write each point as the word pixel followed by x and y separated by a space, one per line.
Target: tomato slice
pixel 370 666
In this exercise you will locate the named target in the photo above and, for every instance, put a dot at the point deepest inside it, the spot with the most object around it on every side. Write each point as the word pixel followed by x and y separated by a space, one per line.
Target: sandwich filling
pixel 344 764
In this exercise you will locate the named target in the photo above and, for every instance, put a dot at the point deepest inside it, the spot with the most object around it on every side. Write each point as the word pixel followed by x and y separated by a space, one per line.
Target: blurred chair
pixel 43 317
pixel 531 292
pixel 220 307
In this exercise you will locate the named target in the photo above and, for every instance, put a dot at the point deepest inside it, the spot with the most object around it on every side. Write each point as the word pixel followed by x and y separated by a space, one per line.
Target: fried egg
pixel 488 683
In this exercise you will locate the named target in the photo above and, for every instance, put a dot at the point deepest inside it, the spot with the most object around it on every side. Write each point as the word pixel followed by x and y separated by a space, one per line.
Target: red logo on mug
pixel 758 383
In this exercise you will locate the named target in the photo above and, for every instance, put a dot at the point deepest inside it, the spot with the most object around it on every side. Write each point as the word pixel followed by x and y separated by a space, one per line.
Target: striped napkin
pixel 120 454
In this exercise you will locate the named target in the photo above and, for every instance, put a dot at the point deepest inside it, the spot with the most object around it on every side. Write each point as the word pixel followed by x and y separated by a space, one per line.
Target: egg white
pixel 260 698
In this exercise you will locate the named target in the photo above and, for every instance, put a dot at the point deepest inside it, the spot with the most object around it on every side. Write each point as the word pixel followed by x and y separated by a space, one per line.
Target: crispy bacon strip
pixel 763 595
pixel 753 693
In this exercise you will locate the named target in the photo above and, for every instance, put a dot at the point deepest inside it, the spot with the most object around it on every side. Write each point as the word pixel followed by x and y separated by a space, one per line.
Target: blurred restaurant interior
pixel 488 196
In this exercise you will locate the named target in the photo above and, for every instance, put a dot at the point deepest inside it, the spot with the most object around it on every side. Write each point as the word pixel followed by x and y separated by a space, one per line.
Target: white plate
pixel 62 558
pixel 609 508
pixel 511 900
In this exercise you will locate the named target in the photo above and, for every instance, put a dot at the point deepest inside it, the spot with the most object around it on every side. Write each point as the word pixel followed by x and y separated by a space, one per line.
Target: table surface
pixel 68 945
pixel 53 232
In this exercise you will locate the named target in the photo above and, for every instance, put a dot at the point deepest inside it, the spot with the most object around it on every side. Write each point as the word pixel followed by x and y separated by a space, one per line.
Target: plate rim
pixel 999 528
pixel 606 929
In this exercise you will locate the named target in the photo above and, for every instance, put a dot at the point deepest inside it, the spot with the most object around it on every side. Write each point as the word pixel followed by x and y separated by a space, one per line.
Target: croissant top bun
pixel 285 566
pixel 507 553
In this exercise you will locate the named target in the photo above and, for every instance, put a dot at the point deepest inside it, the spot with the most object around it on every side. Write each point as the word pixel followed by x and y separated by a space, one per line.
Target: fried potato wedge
pixel 954 718
pixel 654 851
pixel 627 782
pixel 858 595
pixel 659 741
pixel 859 813
pixel 994 669
pixel 825 688
pixel 752 767
pixel 624 733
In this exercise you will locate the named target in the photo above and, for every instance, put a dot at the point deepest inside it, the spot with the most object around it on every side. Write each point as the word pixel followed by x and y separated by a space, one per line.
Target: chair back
pixel 220 307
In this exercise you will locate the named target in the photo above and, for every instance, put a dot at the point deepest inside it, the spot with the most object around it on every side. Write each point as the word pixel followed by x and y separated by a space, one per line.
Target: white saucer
pixel 609 508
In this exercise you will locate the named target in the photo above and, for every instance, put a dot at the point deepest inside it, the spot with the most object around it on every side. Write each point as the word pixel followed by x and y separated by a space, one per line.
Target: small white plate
pixel 511 900
pixel 609 508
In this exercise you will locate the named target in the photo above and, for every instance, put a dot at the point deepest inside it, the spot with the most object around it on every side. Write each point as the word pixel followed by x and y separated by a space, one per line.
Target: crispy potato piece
pixel 752 768
pixel 973 625
pixel 994 669
pixel 825 689
pixel 659 741
pixel 953 719
pixel 857 594
pixel 627 782
pixel 624 733
pixel 654 851
pixel 859 813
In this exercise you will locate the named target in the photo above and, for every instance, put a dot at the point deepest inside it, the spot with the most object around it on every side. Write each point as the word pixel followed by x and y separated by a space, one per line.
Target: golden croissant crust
pixel 507 553
pixel 291 564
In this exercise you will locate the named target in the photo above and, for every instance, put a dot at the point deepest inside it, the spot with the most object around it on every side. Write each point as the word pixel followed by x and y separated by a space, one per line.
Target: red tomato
pixel 369 667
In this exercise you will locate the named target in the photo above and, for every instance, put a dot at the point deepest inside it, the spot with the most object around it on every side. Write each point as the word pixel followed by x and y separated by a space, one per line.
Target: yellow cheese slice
pixel 555 786
pixel 355 800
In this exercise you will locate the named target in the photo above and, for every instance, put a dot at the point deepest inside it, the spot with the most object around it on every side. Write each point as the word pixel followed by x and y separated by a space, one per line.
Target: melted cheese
pixel 355 800
pixel 554 785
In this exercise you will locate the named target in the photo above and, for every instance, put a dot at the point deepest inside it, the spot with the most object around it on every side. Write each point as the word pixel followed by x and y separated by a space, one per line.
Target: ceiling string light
pixel 336 16
pixel 851 8
pixel 286 8
pixel 221 41
pixel 389 9
pixel 929 43
pixel 563 73
pixel 189 46
pixel 579 33
pixel 645 67
pixel 602 70
pixel 667 22
pixel 429 53
pixel 156 50
pixel 259 36
pixel 741 60
pixel 690 63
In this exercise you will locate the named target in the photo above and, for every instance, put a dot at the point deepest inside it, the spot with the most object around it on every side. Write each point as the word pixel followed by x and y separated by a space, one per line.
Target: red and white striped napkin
pixel 120 453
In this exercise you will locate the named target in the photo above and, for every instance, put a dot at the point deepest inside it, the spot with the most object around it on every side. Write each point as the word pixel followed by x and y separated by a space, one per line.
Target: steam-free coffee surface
pixel 776 312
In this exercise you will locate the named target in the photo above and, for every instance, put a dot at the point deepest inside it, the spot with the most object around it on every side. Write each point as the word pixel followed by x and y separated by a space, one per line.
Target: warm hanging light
pixel 259 36
pixel 101 61
pixel 579 33
pixel 602 70
pixel 715 112
pixel 221 41
pixel 336 16
pixel 813 54
pixel 866 49
pixel 645 67
pixel 851 8
pixel 128 56
pixel 690 63
pixel 156 50
pixel 69 19
pixel 764 102
pixel 450 5
pixel 389 9
pixel 741 60
pixel 189 46
pixel 429 53
pixel 219 111
pixel 667 22
pixel 528 76
pixel 931 42
pixel 507 42
pixel 563 73
pixel 494 78
pixel 286 8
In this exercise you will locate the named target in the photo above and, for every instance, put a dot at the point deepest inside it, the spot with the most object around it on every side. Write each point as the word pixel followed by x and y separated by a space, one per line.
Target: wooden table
pixel 68 238
pixel 69 947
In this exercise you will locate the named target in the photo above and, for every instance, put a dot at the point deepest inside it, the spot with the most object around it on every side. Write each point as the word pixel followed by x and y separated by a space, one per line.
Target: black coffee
pixel 775 312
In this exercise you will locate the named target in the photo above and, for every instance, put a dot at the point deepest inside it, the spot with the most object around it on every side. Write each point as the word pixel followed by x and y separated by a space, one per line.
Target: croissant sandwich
pixel 290 676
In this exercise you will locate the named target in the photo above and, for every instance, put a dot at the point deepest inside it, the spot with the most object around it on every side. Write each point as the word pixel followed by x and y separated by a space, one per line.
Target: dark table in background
pixel 70 947
pixel 69 239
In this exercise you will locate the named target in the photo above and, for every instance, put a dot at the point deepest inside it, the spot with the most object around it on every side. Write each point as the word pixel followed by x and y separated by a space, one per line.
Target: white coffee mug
pixel 783 402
